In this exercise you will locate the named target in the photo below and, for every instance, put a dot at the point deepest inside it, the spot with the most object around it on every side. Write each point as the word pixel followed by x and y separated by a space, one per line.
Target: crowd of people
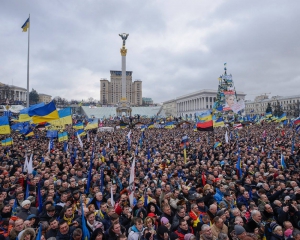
pixel 202 194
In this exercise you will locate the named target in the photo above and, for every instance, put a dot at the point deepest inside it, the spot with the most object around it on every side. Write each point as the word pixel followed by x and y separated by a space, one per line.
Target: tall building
pixel 111 91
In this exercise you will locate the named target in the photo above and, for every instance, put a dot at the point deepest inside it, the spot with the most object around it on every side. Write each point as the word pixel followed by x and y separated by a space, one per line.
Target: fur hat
pixel 25 202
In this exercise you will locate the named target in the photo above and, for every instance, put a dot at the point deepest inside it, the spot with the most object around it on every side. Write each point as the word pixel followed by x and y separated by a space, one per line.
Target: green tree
pixel 33 97
pixel 269 108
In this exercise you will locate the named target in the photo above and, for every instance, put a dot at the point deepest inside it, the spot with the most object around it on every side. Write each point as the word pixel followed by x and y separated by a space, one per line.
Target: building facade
pixel 111 91
pixel 12 93
pixel 188 105
pixel 290 105
pixel 44 98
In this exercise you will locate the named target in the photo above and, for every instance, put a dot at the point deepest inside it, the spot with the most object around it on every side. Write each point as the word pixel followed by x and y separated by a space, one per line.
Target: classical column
pixel 123 54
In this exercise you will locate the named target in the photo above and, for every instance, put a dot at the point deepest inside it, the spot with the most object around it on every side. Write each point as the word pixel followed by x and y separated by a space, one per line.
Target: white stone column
pixel 124 77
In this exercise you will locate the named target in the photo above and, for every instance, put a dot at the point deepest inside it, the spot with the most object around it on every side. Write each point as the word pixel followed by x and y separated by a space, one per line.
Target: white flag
pixel 25 168
pixel 128 135
pixel 88 136
pixel 96 139
pixel 131 182
pixel 112 196
pixel 79 140
pixel 226 137
pixel 29 165
pixel 108 145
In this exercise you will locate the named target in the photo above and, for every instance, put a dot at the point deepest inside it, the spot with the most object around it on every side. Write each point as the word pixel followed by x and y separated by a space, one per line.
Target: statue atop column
pixel 124 37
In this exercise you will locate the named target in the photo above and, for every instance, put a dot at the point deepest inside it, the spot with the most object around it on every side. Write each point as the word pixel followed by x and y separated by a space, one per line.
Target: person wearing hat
pixel 277 232
pixel 228 201
pixel 240 231
pixel 162 233
pixel 26 210
pixel 27 234
pixel 201 206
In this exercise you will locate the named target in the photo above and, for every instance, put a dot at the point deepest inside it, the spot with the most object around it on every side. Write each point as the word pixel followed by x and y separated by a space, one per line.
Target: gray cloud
pixel 174 47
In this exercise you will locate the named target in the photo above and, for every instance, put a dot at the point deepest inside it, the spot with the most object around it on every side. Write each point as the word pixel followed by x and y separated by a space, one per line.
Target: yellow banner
pixel 61 121
pixel 55 127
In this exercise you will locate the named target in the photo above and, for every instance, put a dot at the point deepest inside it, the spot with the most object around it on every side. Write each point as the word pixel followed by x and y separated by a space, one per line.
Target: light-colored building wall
pixel 111 91
pixel 189 104
pixel 12 92
pixel 44 98
pixel 259 106
pixel 170 108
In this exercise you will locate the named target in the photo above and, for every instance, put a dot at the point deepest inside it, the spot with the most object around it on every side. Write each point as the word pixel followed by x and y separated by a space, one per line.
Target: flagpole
pixel 27 104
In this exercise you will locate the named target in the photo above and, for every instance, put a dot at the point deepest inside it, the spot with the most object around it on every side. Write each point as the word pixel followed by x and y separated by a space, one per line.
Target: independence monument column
pixel 123 51
pixel 123 105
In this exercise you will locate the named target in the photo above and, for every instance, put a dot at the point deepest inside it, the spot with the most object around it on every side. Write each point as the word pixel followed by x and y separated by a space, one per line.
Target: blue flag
pixel 85 231
pixel 87 190
pixel 101 180
pixel 14 208
pixel 40 208
pixel 27 190
pixel 39 235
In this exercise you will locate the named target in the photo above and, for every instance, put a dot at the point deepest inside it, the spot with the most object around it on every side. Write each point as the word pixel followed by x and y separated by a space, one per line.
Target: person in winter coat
pixel 183 229
pixel 26 210
pixel 135 232
pixel 277 232
pixel 115 231
pixel 219 194
pixel 64 231
pixel 28 234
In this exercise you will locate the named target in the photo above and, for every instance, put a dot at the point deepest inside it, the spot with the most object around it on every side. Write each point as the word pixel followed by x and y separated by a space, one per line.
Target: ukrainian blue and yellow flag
pixel 80 132
pixel 169 125
pixel 25 26
pixel 239 167
pixel 91 125
pixel 44 114
pixel 217 144
pixel 268 114
pixel 24 117
pixel 219 122
pixel 78 125
pixel 151 125
pixel 7 142
pixel 4 125
pixel 62 136
pixel 29 133
pixel 282 117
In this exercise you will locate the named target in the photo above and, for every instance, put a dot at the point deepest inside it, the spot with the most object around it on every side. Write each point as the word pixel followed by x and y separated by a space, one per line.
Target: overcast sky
pixel 175 47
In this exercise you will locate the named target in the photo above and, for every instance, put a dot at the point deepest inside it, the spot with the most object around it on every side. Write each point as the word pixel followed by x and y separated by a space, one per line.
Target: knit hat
pixel 188 236
pixel 273 225
pixel 220 213
pixel 164 220
pixel 25 202
pixel 161 230
pixel 239 230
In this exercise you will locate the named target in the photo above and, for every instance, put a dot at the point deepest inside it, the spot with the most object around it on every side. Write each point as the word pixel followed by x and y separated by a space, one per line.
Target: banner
pixel 52 134
pixel 239 106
